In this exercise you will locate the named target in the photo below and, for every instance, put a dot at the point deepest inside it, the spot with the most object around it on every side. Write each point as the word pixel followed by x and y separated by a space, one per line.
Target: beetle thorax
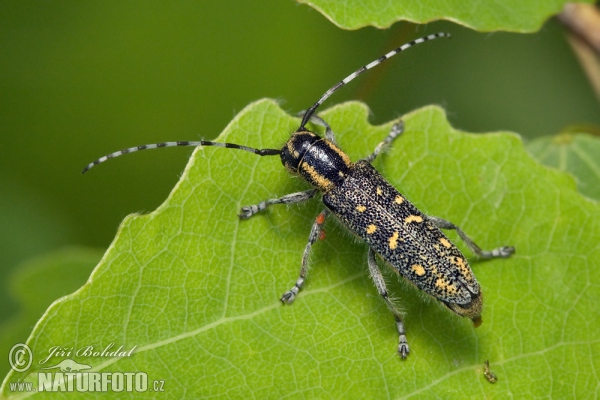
pixel 320 162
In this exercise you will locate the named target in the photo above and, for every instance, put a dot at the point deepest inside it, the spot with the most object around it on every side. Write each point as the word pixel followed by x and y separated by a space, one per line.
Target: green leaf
pixel 195 290
pixel 36 283
pixel 506 15
pixel 575 152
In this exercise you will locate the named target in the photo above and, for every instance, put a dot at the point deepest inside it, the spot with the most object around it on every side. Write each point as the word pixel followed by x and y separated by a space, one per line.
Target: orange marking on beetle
pixel 343 155
pixel 463 267
pixel 292 149
pixel 394 241
pixel 319 180
pixel 445 286
pixel 320 219
pixel 418 269
pixel 445 243
pixel 413 218
pixel 322 235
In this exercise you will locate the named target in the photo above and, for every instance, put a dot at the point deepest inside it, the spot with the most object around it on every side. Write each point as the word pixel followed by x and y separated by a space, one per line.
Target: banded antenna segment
pixel 260 152
pixel 359 71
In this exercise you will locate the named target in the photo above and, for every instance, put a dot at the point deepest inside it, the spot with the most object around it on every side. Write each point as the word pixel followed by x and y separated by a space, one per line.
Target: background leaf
pixel 510 15
pixel 575 152
pixel 196 289
pixel 37 283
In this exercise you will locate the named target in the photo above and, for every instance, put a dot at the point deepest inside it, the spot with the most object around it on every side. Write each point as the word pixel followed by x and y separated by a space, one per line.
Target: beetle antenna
pixel 359 71
pixel 260 152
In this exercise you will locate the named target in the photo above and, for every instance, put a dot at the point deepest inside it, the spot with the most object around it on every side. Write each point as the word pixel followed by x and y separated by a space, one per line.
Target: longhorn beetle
pixel 410 242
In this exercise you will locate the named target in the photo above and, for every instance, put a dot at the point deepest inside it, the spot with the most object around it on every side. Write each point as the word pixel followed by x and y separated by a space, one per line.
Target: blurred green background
pixel 80 79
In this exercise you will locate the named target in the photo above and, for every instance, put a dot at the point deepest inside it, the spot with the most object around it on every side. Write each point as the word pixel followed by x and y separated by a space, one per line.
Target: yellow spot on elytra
pixel 371 229
pixel 361 208
pixel 418 269
pixel 394 241
pixel 399 200
pixel 379 191
pixel 413 218
pixel 445 243
pixel 463 267
pixel 445 286
pixel 319 180
pixel 459 262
